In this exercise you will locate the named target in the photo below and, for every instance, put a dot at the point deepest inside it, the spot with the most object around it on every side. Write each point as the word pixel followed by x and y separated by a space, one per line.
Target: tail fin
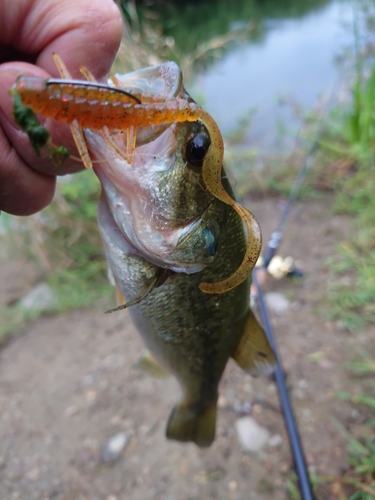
pixel 254 353
pixel 186 424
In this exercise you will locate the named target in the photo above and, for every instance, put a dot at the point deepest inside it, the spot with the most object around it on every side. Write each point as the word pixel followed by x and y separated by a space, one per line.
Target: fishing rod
pixel 285 402
pixel 286 406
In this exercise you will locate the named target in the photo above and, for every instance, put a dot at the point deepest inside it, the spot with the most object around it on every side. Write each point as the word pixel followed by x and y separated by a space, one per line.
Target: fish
pixel 174 239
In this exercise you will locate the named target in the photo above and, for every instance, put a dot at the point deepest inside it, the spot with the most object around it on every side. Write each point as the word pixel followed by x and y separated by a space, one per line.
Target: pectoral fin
pixel 148 364
pixel 119 296
pixel 157 280
pixel 254 353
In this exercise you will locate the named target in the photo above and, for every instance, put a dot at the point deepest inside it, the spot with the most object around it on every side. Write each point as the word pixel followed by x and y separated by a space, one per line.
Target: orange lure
pixel 88 104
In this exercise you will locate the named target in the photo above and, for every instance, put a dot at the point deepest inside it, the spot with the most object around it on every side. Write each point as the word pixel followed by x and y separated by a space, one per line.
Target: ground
pixel 67 386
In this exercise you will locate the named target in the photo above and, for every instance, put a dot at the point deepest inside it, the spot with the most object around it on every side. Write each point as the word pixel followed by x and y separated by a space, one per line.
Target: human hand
pixel 83 32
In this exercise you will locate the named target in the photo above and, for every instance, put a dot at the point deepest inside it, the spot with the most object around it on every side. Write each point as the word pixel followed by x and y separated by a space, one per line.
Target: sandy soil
pixel 67 386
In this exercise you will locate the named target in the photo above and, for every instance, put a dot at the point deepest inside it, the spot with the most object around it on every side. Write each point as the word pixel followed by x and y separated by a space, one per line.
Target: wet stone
pixel 242 408
pixel 112 450
pixel 277 302
pixel 303 384
pixel 14 469
pixel 40 298
pixel 275 440
pixel 88 379
pixel 252 436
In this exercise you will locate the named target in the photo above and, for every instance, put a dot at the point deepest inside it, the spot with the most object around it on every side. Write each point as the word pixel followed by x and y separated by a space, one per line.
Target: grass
pixel 361 452
pixel 349 145
pixel 358 481
pixel 360 476
pixel 64 242
pixel 352 288
pixel 14 319
pixel 347 159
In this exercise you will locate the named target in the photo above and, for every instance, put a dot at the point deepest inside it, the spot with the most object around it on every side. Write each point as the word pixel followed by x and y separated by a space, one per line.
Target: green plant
pixel 145 43
pixel 361 472
pixel 64 242
pixel 352 288
pixel 352 127
pixel 359 130
pixel 359 478
pixel 351 137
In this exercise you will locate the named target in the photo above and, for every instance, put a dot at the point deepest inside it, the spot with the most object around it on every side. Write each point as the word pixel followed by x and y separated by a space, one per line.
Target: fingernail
pixel 7 80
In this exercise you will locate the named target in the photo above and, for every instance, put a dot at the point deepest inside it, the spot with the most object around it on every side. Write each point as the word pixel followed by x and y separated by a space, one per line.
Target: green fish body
pixel 164 231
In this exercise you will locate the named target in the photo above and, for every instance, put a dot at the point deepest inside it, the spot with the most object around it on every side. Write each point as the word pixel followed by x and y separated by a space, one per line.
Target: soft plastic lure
pixel 89 104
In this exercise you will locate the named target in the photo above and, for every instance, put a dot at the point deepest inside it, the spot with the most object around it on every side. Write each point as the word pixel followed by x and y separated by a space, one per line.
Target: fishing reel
pixel 280 267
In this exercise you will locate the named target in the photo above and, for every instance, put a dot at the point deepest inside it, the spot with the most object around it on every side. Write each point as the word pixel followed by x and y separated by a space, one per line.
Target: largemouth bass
pixel 156 218
pixel 165 234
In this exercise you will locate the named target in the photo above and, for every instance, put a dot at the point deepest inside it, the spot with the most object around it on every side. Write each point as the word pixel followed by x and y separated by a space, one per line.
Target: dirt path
pixel 67 386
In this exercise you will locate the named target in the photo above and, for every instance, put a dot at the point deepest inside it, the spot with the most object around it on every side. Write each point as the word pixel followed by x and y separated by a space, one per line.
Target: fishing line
pixel 275 238
pixel 272 246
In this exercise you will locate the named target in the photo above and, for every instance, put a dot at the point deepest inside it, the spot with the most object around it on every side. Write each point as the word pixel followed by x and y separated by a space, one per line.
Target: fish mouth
pixel 142 205
pixel 166 249
pixel 156 202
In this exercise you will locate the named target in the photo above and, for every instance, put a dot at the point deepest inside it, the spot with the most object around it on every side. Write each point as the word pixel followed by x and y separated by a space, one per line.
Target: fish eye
pixel 196 149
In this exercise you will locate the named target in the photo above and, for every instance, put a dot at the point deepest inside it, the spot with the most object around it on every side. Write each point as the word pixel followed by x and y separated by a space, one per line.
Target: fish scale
pixel 190 333
pixel 173 235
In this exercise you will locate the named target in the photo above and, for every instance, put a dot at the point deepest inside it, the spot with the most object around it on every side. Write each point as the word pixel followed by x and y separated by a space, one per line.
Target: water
pixel 296 62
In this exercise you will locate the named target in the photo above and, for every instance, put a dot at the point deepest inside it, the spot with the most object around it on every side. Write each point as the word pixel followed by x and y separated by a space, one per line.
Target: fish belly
pixel 191 334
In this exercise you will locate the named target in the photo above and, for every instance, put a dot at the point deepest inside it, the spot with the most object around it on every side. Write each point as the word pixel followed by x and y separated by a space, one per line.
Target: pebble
pixel 303 384
pixel 232 486
pixel 242 408
pixel 306 414
pixel 340 326
pixel 275 440
pixel 88 379
pixel 247 387
pixel 312 469
pixel 284 467
pixel 355 413
pixel 33 474
pixel 298 393
pixel 90 396
pixel 271 389
pixel 70 410
pixel 276 302
pixel 40 298
pixel 257 409
pixel 90 443
pixel 14 469
pixel 251 435
pixel 114 447
pixel 222 402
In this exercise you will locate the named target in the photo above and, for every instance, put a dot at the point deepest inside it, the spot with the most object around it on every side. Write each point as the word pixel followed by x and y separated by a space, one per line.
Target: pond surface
pixel 294 64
